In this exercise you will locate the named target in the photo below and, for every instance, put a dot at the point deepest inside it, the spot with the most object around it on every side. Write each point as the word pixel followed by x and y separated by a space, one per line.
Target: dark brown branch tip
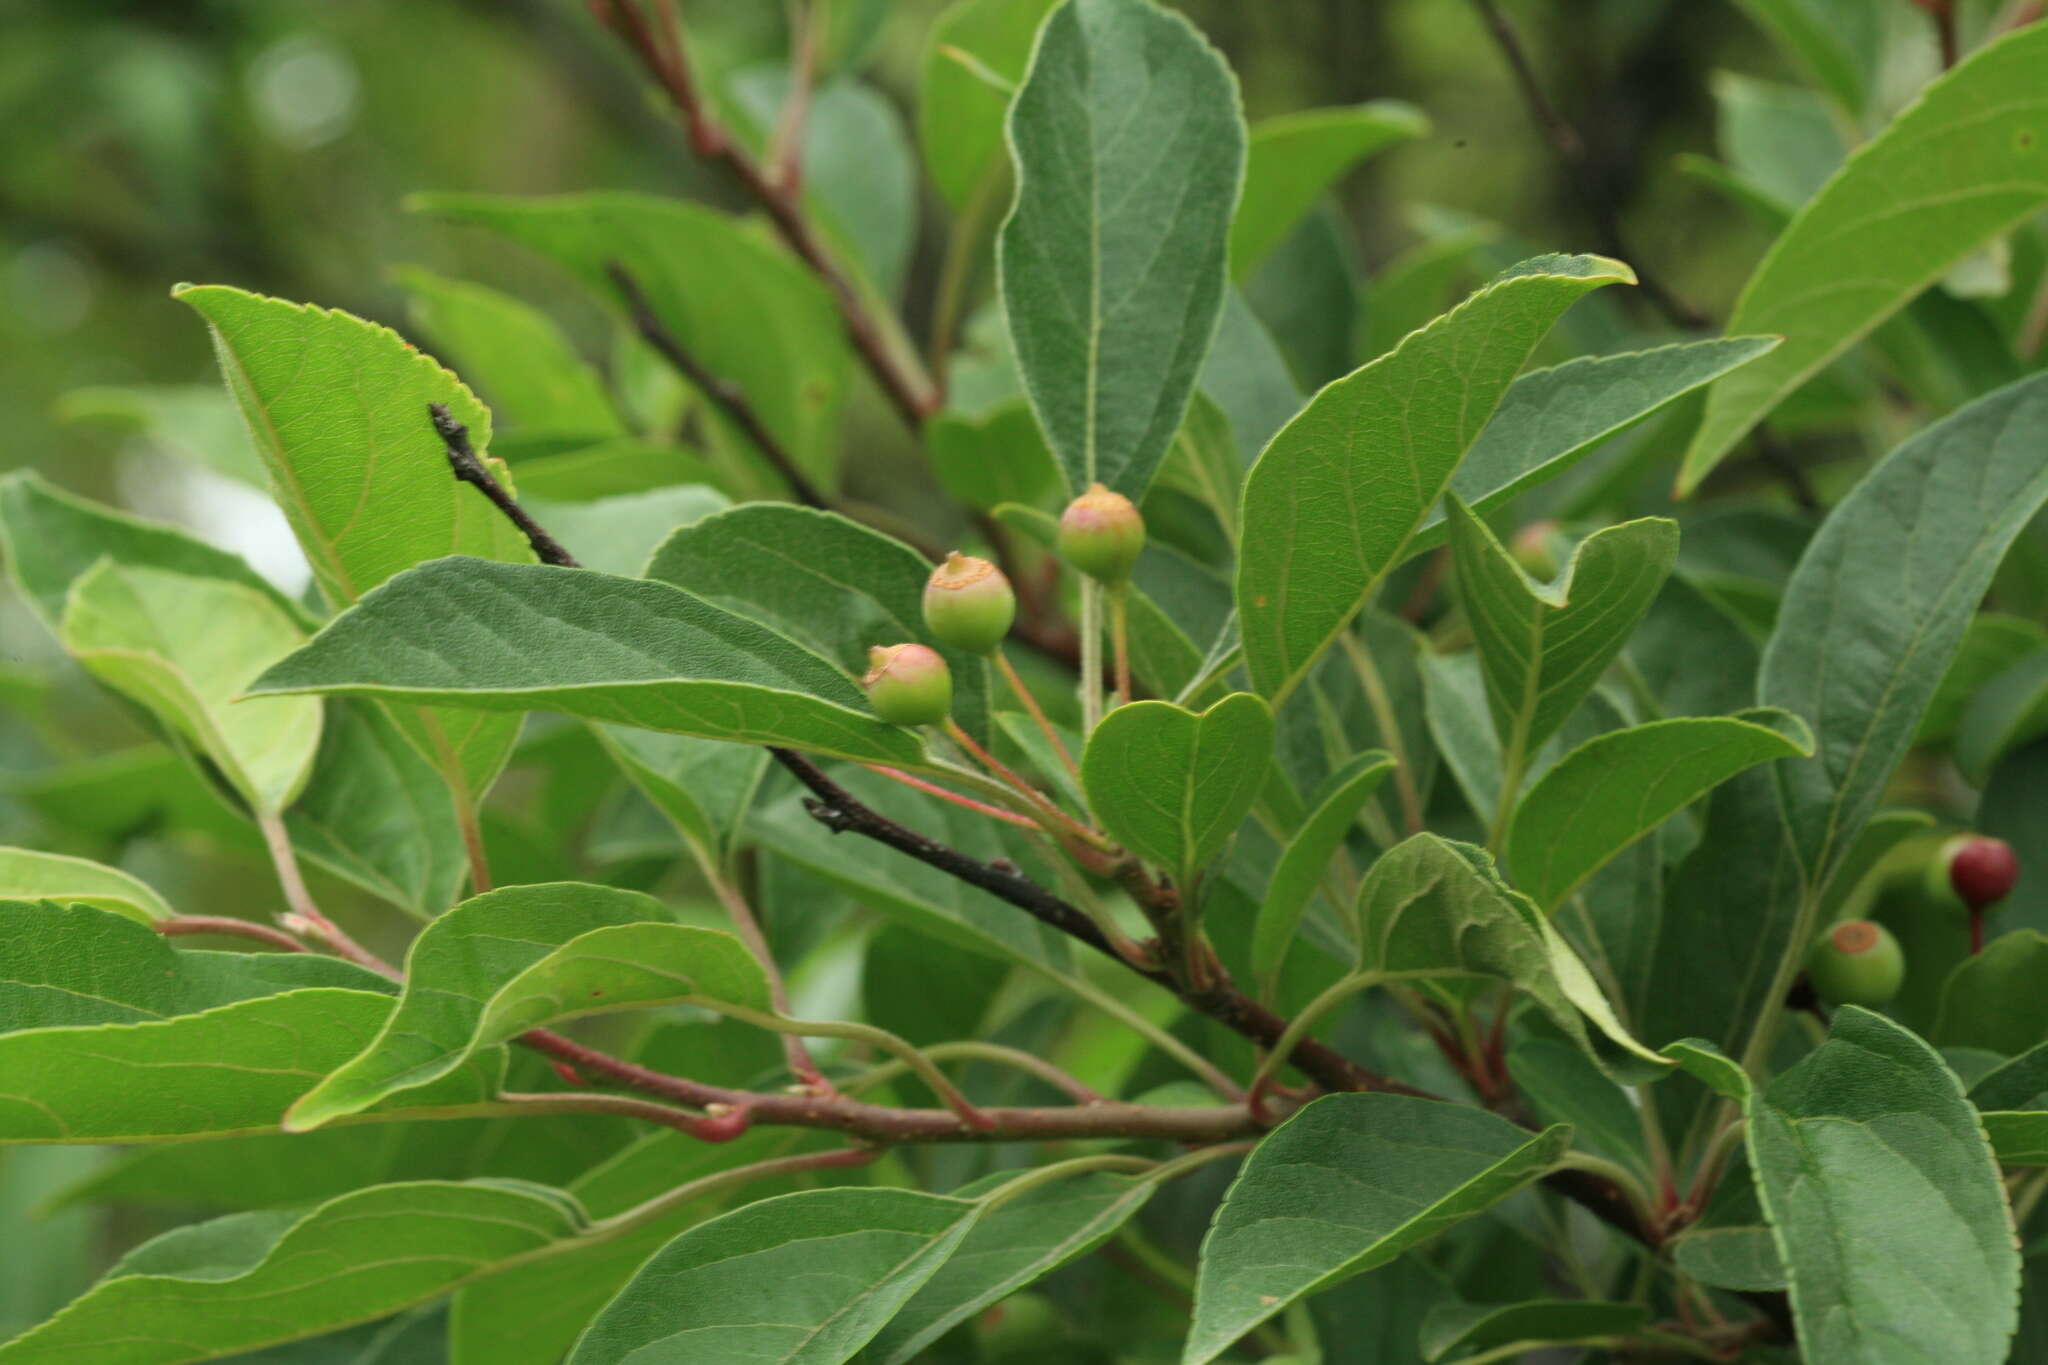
pixel 468 467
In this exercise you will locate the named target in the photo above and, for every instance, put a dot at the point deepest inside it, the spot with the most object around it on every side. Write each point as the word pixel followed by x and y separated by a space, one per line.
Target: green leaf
pixel 1339 494
pixel 1885 1202
pixel 987 460
pixel 1550 418
pixel 1881 599
pixel 1302 866
pixel 320 390
pixel 255 1279
pixel 1993 1000
pixel 959 112
pixel 1292 160
pixel 511 350
pixel 1173 786
pixel 806 1279
pixel 512 637
pixel 196 423
pixel 1129 148
pixel 1839 42
pixel 749 311
pixel 1564 1086
pixel 186 649
pixel 2017 1139
pixel 455 972
pixel 1487 1326
pixel 1543 647
pixel 2019 1083
pixel 1992 643
pixel 2007 713
pixel 1731 1258
pixel 823 580
pixel 1416 285
pixel 1611 791
pixel 1431 908
pixel 1348 1183
pixel 618 535
pixel 1962 164
pixel 703 786
pixel 28 874
pixel 1019 1241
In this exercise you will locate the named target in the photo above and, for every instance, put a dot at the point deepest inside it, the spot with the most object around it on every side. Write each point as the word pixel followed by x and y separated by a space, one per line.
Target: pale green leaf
pixel 619 534
pixel 1880 601
pixel 1306 860
pixel 27 874
pixel 1129 146
pixel 1886 1204
pixel 806 1279
pixel 186 649
pixel 1293 159
pixel 196 423
pixel 2009 712
pixel 1611 791
pixel 514 353
pixel 1731 1258
pixel 959 112
pixel 1339 494
pixel 255 1279
pixel 1993 999
pixel 1840 42
pixel 1965 162
pixel 703 786
pixel 1346 1184
pixel 992 458
pixel 1542 647
pixel 1173 786
pixel 514 637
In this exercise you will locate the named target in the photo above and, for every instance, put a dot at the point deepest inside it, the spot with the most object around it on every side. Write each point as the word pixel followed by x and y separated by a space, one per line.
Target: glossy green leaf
pixel 531 375
pixel 1881 599
pixel 455 972
pixel 1346 1184
pixel 1885 1202
pixel 1543 647
pixel 1491 1326
pixel 1433 909
pixel 28 874
pixel 806 1279
pixel 823 580
pixel 1993 1000
pixel 1613 790
pixel 1292 160
pixel 513 637
pixel 1962 164
pixel 1550 418
pixel 1302 866
pixel 1173 786
pixel 1019 1241
pixel 748 311
pixel 1339 494
pixel 186 649
pixel 254 1279
pixel 1129 147
pixel 959 111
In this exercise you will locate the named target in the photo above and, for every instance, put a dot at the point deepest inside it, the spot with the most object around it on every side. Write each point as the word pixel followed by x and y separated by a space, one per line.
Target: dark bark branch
pixel 463 461
pixel 727 395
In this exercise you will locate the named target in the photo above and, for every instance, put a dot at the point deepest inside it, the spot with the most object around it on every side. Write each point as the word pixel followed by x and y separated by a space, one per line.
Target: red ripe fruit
pixel 1981 870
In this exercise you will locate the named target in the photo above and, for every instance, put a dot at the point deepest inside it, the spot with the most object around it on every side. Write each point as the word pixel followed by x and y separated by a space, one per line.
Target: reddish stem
pixel 933 789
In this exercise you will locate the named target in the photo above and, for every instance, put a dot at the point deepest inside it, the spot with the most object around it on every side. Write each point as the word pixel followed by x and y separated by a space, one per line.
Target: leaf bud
pixel 1102 534
pixel 1857 962
pixel 968 604
pixel 908 684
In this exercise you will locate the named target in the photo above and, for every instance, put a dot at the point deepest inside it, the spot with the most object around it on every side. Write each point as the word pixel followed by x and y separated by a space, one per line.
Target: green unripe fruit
pixel 908 684
pixel 1101 534
pixel 1535 549
pixel 1857 962
pixel 969 604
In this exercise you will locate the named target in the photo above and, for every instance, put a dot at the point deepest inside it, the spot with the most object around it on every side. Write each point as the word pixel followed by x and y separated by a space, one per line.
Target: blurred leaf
pixel 1292 160
pixel 196 423
pixel 2007 712
pixel 1479 1327
pixel 1876 609
pixel 1611 791
pixel 1247 377
pixel 1302 867
pixel 1731 1258
pixel 1993 1000
pixel 925 989
pixel 1383 443
pixel 1885 1202
pixel 959 114
pixel 1693 657
pixel 1346 1184
pixel 1417 285
pixel 703 786
pixel 1858 251
pixel 1110 336
pixel 1565 1087
pixel 1840 42
pixel 514 636
pixel 722 1289
pixel 1173 786
pixel 186 649
pixel 54 1253
pixel 27 874
pixel 613 469
pixel 514 353
pixel 994 458
pixel 617 535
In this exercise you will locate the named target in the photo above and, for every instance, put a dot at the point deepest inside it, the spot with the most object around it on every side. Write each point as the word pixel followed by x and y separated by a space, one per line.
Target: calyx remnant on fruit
pixel 1102 535
pixel 1857 962
pixel 969 604
pixel 908 684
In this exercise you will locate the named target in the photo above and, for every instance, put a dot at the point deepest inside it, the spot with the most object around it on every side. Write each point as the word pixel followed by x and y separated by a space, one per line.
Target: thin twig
pixel 470 469
pixel 728 396
pixel 662 50
pixel 229 926
pixel 1579 171
pixel 1008 817
pixel 1036 712
pixel 786 152
pixel 304 911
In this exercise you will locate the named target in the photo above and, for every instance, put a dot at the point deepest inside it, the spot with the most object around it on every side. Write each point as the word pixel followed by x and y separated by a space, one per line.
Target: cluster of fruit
pixel 1859 962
